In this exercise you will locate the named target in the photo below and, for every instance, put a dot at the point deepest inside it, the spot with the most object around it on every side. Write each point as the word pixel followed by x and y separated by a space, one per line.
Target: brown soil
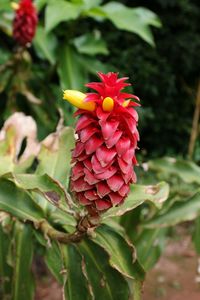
pixel 173 278
pixel 175 275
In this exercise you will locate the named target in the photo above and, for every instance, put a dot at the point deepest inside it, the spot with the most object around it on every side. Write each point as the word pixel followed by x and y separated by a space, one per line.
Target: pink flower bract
pixel 104 155
pixel 25 22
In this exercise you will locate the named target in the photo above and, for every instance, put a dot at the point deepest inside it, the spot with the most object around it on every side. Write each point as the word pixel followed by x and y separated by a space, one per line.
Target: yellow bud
pixel 14 5
pixel 108 104
pixel 126 103
pixel 76 98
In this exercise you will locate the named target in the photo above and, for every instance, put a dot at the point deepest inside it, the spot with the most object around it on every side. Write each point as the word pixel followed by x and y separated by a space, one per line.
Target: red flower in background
pixel 25 22
pixel 104 154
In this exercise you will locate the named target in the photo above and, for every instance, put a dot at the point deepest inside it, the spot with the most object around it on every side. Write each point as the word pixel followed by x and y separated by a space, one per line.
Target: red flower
pixel 25 22
pixel 104 154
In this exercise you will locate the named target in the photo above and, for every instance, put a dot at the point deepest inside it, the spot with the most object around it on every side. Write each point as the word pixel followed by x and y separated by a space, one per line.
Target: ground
pixel 174 277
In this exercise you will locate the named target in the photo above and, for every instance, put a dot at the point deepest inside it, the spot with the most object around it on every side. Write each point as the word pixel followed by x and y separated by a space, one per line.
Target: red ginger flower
pixel 104 154
pixel 25 22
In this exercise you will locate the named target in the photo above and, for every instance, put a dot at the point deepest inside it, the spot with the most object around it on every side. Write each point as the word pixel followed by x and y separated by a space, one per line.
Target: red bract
pixel 25 22
pixel 104 154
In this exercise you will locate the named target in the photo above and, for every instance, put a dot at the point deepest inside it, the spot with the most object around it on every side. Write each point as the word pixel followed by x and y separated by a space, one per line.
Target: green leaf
pixel 70 71
pixel 156 194
pixel 55 155
pixel 188 171
pixel 121 252
pixel 45 44
pixel 88 4
pixel 40 4
pixel 179 212
pixel 53 260
pixel 92 65
pixel 5 269
pixel 90 44
pixel 136 20
pixel 150 244
pixel 102 278
pixel 18 203
pixel 58 11
pixel 44 185
pixel 76 284
pixel 23 285
pixel 5 5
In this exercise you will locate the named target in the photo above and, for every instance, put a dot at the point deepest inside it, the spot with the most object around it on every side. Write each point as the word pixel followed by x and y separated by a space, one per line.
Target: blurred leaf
pixel 122 255
pixel 20 205
pixel 97 13
pixel 102 278
pixel 70 71
pixel 88 4
pixel 23 285
pixel 45 44
pixel 5 5
pixel 40 4
pixel 92 65
pixel 136 20
pixel 4 79
pixel 73 268
pixel 179 212
pixel 55 155
pixel 188 171
pixel 58 11
pixel 5 269
pixel 90 44
pixel 150 245
pixel 156 194
pixel 6 20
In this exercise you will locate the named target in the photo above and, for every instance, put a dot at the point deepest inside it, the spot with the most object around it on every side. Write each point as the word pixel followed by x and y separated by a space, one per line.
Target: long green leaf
pixel 188 171
pixel 5 269
pixel 179 212
pixel 44 185
pixel 23 285
pixel 102 278
pixel 18 203
pixel 121 252
pixel 156 194
pixel 45 44
pixel 76 284
pixel 70 71
pixel 150 244
pixel 54 261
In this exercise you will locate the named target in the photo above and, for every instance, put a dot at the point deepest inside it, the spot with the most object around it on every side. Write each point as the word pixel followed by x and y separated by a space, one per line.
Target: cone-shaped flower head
pixel 25 22
pixel 104 155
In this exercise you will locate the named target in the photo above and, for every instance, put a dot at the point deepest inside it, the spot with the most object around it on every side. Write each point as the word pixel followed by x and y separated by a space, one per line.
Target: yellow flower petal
pixel 108 104
pixel 126 103
pixel 76 98
pixel 14 5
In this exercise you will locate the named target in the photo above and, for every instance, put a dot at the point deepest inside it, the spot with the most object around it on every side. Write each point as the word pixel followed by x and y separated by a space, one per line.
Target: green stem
pixel 137 289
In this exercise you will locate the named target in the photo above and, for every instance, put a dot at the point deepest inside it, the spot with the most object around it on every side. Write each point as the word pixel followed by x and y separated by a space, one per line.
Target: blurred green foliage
pixel 165 77
pixel 68 49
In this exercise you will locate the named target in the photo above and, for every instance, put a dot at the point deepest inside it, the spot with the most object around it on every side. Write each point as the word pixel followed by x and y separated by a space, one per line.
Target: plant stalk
pixel 195 124
pixel 137 290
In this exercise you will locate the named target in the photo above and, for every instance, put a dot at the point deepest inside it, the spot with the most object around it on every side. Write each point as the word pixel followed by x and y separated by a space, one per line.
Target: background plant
pixel 68 48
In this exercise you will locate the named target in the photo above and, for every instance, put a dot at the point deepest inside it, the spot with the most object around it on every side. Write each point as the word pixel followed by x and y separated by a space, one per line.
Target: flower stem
pixel 137 290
